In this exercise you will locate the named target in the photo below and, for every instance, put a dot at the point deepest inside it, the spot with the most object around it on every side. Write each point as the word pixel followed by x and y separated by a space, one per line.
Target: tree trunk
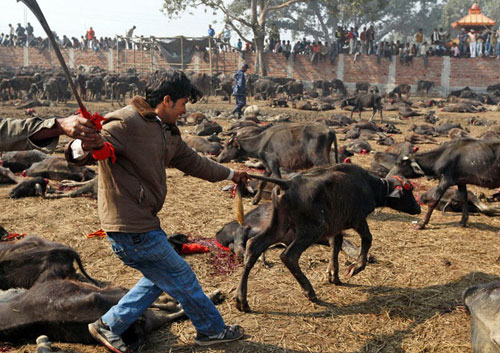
pixel 260 62
pixel 324 28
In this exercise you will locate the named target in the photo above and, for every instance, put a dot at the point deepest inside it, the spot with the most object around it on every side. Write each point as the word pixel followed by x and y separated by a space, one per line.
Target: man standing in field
pixel 132 191
pixel 240 90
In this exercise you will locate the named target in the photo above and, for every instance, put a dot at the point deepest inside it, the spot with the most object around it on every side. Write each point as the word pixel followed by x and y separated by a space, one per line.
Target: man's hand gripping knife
pixel 107 150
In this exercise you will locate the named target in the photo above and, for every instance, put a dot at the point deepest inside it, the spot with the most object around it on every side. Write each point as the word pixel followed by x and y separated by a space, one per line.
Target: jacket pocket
pixel 141 196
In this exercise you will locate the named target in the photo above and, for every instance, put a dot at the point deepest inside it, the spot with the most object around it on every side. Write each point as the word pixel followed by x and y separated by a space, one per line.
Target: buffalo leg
pixel 366 242
pixel 260 187
pixel 352 113
pixel 373 114
pixel 333 272
pixel 255 247
pixel 440 190
pixel 272 169
pixel 176 311
pixel 290 257
pixel 462 189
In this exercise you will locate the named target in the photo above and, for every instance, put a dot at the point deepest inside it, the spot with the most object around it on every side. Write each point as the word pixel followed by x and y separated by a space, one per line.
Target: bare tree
pixel 251 19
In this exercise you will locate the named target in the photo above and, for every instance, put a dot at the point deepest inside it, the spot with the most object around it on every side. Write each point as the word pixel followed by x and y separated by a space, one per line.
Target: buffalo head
pixel 400 195
pixel 231 151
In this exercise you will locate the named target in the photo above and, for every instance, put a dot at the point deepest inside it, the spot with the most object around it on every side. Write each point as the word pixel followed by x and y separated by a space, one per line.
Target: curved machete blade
pixel 33 6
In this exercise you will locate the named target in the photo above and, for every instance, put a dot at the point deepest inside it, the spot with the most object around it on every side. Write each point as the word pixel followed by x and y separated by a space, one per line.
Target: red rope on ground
pixel 14 236
pixel 193 248
pixel 97 234
pixel 219 245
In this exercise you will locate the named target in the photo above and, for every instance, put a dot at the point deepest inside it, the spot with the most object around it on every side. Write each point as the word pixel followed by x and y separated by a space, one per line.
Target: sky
pixel 108 18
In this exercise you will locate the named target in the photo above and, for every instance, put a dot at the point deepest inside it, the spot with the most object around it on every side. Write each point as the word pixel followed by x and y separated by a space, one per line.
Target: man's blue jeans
pixel 164 271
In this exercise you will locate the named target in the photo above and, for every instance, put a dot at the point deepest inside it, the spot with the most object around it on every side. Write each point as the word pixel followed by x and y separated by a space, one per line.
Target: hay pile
pixel 408 301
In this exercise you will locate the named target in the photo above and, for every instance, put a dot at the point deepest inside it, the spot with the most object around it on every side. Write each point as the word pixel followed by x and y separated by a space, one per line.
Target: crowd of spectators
pixel 352 41
pixel 24 37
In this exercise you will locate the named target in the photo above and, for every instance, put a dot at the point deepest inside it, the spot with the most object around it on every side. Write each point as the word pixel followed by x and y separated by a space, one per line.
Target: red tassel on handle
pixel 107 151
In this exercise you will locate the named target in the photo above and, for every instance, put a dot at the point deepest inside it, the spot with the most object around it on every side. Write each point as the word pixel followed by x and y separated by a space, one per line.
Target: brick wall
pixel 446 73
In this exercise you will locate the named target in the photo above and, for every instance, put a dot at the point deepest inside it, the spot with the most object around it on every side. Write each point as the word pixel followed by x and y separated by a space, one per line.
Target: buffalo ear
pixel 416 168
pixel 396 193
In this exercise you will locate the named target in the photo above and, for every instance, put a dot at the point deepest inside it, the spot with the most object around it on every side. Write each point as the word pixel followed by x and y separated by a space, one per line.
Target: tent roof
pixel 474 18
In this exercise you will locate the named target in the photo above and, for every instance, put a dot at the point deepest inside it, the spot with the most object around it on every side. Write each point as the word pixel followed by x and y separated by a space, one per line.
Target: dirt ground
pixel 409 300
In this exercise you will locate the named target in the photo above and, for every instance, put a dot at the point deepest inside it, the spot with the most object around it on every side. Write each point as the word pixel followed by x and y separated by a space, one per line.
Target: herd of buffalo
pixel 315 191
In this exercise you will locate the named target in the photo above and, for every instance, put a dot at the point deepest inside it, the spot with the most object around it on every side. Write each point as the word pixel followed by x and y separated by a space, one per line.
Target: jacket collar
pixel 143 108
pixel 148 113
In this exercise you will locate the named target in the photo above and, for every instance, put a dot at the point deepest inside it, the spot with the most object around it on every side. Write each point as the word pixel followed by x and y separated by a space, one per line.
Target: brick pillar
pixel 71 56
pixel 26 57
pixel 111 65
pixel 391 78
pixel 340 67
pixel 289 66
pixel 445 76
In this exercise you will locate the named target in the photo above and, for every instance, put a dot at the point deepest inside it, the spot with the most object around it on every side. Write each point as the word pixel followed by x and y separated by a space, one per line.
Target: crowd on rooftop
pixel 352 41
pixel 24 37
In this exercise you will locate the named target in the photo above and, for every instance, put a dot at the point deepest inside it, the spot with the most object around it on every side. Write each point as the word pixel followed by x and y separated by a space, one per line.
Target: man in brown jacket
pixel 132 192
pixel 43 134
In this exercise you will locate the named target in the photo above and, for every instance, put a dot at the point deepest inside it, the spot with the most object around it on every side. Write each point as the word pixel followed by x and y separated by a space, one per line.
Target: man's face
pixel 169 111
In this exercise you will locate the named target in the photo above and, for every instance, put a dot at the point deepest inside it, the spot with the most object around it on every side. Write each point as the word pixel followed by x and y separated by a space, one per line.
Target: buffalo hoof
pixel 351 271
pixel 462 224
pixel 419 226
pixel 335 281
pixel 313 298
pixel 242 305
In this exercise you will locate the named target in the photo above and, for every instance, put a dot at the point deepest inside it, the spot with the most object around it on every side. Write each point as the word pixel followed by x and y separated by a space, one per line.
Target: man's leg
pixel 131 306
pixel 161 265
pixel 240 103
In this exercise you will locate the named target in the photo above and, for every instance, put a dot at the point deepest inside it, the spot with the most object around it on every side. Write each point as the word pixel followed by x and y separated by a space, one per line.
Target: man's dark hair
pixel 173 83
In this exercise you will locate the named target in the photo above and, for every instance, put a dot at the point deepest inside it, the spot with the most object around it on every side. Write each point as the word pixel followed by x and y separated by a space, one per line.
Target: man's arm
pixel 190 162
pixel 42 134
pixel 74 126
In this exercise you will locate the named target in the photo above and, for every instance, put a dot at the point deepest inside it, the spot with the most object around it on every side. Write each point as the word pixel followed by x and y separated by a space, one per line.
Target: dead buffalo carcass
pixel 452 200
pixel 33 260
pixel 59 169
pixel 288 146
pixel 22 160
pixel 483 303
pixel 202 145
pixel 317 206
pixel 30 187
pixel 84 188
pixel 62 310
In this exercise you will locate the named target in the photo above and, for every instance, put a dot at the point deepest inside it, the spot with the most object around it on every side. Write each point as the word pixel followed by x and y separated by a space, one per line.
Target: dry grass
pixel 405 302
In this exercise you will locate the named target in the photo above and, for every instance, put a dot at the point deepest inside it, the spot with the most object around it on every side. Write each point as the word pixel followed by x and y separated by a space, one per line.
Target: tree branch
pixel 283 5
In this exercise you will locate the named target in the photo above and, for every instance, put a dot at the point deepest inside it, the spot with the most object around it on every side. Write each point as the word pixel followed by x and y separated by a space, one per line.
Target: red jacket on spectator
pixel 90 34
